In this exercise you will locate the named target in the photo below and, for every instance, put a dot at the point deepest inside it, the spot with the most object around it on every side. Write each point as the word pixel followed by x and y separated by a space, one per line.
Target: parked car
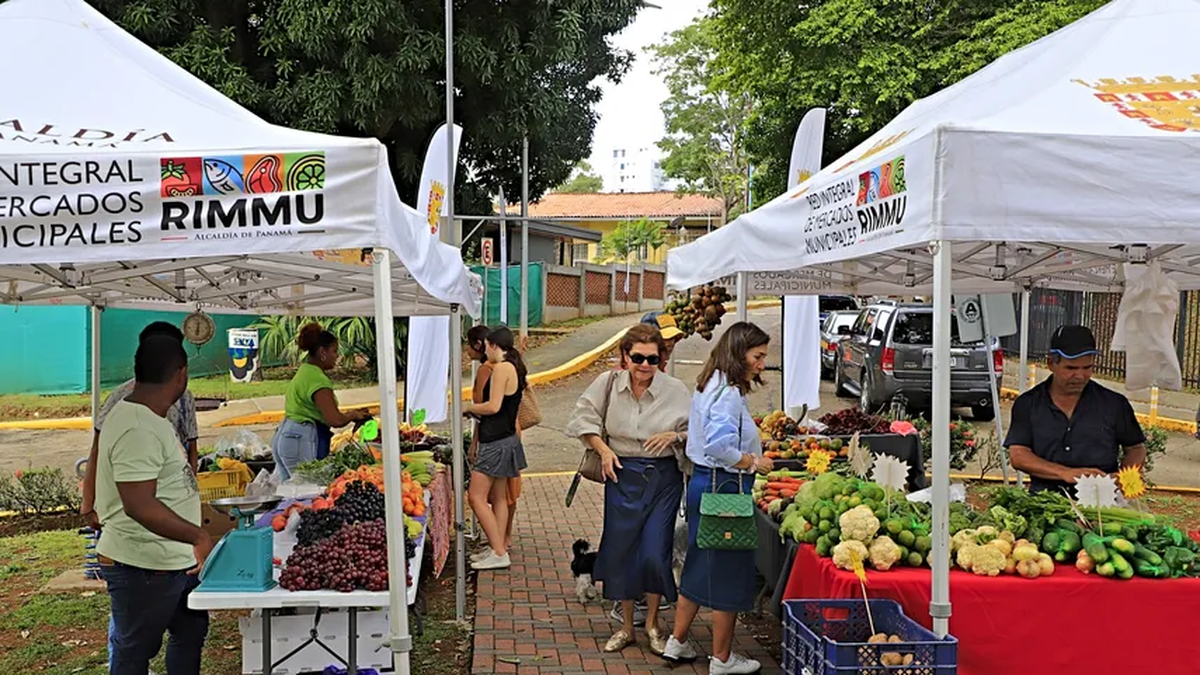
pixel 889 353
pixel 835 303
pixel 834 329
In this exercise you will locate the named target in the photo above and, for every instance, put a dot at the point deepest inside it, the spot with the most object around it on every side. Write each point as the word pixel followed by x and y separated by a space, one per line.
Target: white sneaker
pixel 736 665
pixel 480 555
pixel 492 562
pixel 679 651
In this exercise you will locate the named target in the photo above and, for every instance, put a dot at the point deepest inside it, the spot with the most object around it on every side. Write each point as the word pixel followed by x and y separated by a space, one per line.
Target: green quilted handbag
pixel 727 520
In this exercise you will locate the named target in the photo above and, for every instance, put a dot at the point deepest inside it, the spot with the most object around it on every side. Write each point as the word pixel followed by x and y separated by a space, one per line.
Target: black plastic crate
pixel 829 637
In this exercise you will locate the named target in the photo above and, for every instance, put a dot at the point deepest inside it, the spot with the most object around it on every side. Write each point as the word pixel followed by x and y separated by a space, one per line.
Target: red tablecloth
pixel 1065 623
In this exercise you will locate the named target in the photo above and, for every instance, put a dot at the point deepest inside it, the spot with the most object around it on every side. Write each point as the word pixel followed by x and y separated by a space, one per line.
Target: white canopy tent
pixel 1052 166
pixel 126 181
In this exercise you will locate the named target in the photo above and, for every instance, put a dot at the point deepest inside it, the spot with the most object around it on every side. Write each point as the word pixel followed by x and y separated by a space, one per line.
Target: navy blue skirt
pixel 720 580
pixel 639 527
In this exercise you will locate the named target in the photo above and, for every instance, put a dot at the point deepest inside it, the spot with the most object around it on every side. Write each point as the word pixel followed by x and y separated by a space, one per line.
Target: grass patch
pixel 274 383
pixel 31 657
pixel 46 553
pixel 60 611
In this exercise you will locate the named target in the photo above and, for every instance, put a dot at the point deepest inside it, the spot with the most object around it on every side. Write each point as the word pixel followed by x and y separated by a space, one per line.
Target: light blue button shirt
pixel 721 426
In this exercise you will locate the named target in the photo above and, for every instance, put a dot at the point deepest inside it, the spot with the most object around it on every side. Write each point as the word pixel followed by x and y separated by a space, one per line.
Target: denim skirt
pixel 639 529
pixel 720 580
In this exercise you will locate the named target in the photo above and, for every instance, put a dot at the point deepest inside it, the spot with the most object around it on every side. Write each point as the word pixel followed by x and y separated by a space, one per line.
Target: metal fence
pixel 1050 309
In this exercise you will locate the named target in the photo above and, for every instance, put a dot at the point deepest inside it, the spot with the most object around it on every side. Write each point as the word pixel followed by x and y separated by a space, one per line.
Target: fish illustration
pixel 223 177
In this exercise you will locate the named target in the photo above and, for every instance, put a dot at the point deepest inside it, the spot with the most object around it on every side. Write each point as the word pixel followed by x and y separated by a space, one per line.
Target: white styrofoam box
pixel 289 632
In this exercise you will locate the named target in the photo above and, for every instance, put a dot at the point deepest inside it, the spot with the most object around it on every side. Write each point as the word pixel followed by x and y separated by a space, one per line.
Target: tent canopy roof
pixel 109 114
pixel 1065 151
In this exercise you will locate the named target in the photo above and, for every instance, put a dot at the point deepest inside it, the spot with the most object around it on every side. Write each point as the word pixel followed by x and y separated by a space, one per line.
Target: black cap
pixel 1072 342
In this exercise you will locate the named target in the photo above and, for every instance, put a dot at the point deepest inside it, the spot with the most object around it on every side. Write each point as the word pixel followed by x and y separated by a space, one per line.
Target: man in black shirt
pixel 1069 426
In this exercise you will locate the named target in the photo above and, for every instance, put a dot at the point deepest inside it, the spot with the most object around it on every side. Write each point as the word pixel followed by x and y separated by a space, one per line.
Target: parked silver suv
pixel 888 354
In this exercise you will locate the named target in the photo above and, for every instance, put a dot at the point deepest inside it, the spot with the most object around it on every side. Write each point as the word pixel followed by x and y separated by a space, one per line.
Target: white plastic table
pixel 280 598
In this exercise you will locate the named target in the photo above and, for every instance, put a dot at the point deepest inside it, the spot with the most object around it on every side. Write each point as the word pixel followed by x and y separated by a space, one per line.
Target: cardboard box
pixel 214 522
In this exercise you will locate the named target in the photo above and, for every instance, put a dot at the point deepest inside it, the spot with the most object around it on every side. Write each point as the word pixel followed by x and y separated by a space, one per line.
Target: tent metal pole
pixel 525 240
pixel 456 440
pixel 939 605
pixel 742 288
pixel 96 314
pixel 389 414
pixel 1023 372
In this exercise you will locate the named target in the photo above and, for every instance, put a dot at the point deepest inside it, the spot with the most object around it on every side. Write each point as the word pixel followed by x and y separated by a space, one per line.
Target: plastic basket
pixel 220 485
pixel 828 637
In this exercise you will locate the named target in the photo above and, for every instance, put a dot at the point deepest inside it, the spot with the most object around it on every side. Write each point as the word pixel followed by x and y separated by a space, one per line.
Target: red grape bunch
pixel 354 558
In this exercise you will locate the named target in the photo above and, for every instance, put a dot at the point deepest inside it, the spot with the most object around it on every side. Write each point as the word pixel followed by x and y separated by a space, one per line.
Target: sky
pixel 629 115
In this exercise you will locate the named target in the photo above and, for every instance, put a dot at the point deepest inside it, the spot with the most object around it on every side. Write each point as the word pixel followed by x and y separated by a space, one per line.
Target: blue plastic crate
pixel 828 637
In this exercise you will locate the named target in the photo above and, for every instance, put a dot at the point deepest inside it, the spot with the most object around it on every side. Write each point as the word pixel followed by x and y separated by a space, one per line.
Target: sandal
pixel 619 640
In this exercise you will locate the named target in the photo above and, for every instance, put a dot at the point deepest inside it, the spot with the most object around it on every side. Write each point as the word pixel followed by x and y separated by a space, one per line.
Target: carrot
pixel 780 485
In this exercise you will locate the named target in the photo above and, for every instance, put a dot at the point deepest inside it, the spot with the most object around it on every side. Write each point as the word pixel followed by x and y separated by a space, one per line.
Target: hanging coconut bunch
pixel 701 311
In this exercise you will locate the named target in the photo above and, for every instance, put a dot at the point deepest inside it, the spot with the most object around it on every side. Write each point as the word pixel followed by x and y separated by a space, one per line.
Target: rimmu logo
pixel 881 200
pixel 281 189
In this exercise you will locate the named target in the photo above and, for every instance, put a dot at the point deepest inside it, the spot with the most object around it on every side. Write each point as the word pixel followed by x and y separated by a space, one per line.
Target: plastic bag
pixel 1146 329
pixel 242 444
pixel 958 493
pixel 264 485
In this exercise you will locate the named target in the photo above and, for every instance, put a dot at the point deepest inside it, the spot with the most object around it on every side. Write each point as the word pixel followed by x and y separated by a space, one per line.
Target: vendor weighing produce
pixel 1069 426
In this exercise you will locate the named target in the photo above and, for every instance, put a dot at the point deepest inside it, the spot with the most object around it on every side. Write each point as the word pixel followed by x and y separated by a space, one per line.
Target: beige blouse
pixel 630 422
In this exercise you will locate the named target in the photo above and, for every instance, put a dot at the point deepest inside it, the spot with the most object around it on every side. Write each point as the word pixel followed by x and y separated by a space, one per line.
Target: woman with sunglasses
pixel 636 419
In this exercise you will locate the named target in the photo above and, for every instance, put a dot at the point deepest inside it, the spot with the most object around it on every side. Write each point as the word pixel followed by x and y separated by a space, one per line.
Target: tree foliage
pixel 704 144
pixel 632 238
pixel 863 60
pixel 377 68
pixel 583 180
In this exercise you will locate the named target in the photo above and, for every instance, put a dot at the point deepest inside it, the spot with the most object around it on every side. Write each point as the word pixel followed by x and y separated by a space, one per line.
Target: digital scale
pixel 243 561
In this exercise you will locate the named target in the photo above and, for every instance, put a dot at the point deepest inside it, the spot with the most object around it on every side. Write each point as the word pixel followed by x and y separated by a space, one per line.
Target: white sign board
pixel 487 253
pixel 980 315
pixel 243 354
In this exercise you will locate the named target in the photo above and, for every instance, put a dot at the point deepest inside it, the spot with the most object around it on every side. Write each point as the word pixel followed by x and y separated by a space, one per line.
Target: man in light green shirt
pixel 146 495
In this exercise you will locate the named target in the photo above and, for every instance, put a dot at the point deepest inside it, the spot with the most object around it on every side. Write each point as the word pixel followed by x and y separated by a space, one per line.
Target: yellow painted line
pixel 575 365
pixel 75 424
pixel 1167 423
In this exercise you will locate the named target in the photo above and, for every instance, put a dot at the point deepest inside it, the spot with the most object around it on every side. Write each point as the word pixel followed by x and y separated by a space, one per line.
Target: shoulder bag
pixel 727 519
pixel 529 413
pixel 590 466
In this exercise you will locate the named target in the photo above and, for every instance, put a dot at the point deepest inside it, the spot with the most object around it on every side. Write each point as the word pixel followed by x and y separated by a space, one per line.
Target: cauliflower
pixel 961 539
pixel 884 553
pixel 965 553
pixel 987 560
pixel 859 524
pixel 985 534
pixel 841 553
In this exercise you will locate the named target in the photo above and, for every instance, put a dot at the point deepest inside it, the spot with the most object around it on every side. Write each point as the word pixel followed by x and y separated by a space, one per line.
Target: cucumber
pixel 1068 526
pixel 1095 548
pixel 1121 565
pixel 1111 529
pixel 1144 568
pixel 1142 553
pixel 1123 546
pixel 1051 542
pixel 1069 544
pixel 1106 570
pixel 1130 532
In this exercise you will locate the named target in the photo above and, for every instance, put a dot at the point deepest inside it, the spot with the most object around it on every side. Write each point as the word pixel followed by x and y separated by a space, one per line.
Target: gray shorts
pixel 504 458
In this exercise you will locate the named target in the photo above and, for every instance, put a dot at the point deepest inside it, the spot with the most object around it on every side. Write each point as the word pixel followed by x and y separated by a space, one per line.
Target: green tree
pixel 376 68
pixel 583 180
pixel 632 238
pixel 863 60
pixel 705 120
pixel 355 335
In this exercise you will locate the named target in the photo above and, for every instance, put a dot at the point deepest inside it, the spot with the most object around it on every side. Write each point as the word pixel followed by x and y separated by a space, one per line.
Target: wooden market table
pixel 1066 623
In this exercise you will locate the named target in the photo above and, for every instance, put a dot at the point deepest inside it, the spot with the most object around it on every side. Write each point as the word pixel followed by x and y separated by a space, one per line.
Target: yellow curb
pixel 74 424
pixel 575 365
pixel 1166 423
pixel 548 474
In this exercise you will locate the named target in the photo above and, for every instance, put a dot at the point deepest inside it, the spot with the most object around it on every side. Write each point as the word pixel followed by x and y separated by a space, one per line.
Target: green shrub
pixel 38 491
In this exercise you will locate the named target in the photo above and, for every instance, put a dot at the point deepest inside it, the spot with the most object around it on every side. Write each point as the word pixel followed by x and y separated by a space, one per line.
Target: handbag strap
pixel 612 376
pixel 714 469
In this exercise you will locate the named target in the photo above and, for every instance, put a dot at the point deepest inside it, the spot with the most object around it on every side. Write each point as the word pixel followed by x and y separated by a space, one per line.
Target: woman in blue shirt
pixel 723 441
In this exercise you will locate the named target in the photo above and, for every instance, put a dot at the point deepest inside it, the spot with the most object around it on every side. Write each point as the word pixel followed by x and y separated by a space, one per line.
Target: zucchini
pixel 1142 553
pixel 1095 548
pixel 1122 546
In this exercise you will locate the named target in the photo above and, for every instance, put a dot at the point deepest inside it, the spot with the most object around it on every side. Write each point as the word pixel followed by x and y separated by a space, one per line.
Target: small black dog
pixel 583 562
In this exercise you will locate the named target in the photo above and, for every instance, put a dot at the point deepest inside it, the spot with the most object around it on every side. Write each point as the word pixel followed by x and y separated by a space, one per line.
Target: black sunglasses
pixel 639 359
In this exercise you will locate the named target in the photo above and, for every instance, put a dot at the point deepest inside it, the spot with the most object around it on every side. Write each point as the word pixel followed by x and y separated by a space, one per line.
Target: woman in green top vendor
pixel 310 406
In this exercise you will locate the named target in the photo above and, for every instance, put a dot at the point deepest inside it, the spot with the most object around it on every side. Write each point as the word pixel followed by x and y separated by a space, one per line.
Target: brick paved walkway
pixel 527 619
